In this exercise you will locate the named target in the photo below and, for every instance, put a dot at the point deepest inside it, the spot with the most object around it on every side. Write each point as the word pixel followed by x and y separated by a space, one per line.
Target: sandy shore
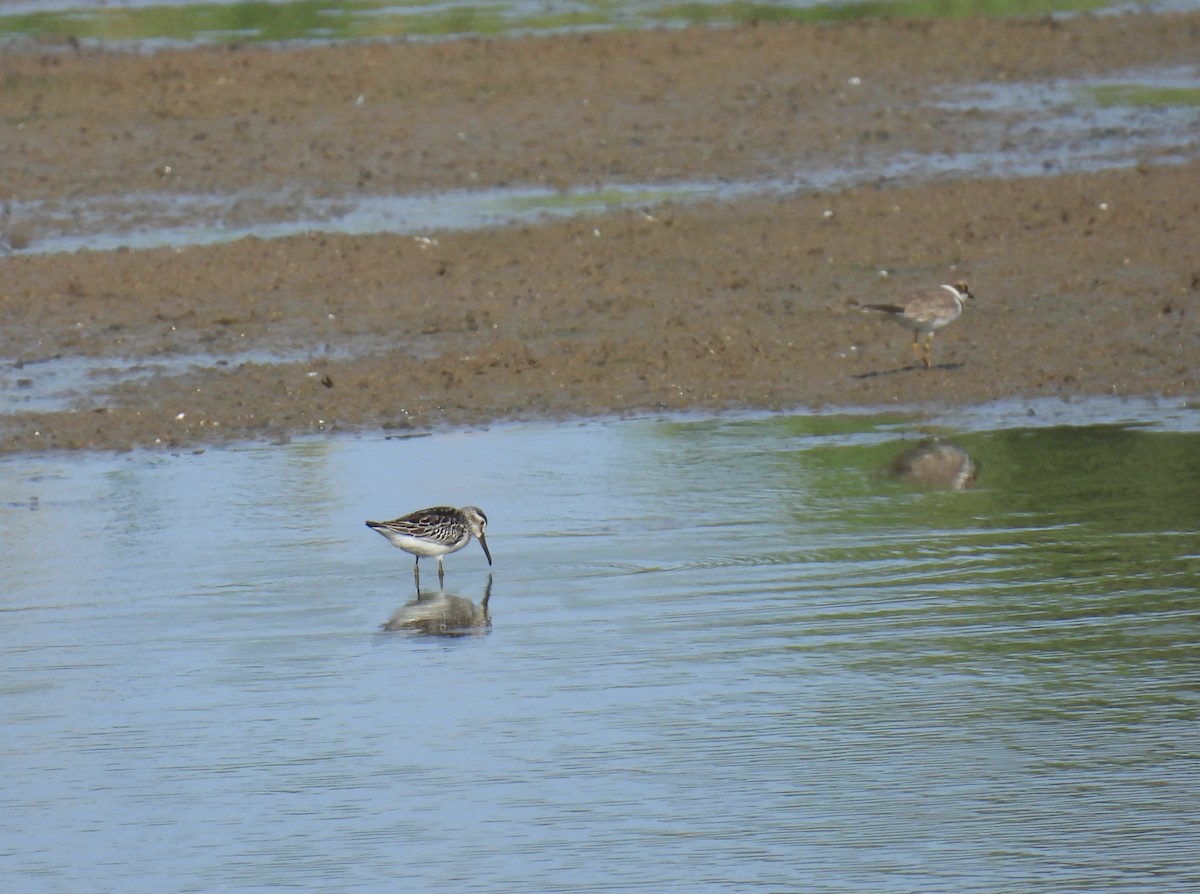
pixel 1085 283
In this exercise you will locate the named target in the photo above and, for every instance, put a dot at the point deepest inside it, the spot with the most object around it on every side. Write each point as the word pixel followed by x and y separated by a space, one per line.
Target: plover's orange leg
pixel 924 311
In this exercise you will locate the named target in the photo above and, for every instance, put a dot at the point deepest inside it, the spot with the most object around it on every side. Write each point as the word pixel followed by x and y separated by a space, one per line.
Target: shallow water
pixel 722 654
pixel 60 382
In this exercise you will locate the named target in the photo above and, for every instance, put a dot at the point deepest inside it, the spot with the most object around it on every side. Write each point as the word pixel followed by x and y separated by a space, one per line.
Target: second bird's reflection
pixel 936 463
pixel 443 614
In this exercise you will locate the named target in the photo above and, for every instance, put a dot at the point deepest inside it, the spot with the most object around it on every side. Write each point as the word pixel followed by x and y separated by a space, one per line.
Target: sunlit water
pixel 722 654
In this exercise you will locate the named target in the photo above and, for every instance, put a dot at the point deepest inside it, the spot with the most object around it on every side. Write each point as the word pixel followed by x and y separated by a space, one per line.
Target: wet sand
pixel 1086 283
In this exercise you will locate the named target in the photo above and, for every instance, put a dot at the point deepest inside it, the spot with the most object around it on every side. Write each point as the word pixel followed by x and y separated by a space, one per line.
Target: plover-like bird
pixel 924 312
pixel 438 531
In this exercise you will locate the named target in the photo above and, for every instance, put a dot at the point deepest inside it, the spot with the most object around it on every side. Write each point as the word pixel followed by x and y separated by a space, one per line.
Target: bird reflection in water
pixel 937 464
pixel 441 614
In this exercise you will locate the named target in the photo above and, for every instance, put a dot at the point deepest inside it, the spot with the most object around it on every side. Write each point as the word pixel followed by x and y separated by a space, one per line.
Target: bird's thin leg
pixel 917 344
pixel 417 573
pixel 441 572
pixel 927 356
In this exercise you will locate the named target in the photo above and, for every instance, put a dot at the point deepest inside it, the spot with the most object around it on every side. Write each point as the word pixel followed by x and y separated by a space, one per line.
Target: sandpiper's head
pixel 477 524
pixel 962 288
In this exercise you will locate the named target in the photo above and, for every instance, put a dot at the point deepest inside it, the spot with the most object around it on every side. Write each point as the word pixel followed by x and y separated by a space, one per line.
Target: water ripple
pixel 903 691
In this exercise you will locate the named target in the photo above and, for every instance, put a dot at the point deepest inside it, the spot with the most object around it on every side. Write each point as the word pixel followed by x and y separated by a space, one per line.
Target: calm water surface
pixel 722 655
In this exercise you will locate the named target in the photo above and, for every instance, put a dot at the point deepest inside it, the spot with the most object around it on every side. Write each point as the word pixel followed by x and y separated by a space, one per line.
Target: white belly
pixel 419 547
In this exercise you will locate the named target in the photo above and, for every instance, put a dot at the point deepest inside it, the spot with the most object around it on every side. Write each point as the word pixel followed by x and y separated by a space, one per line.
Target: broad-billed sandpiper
pixel 438 531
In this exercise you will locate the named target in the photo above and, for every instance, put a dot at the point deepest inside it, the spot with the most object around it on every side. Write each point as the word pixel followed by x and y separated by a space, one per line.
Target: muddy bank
pixel 1086 284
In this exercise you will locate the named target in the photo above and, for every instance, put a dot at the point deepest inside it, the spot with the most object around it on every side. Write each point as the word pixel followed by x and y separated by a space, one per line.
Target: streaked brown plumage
pixel 437 531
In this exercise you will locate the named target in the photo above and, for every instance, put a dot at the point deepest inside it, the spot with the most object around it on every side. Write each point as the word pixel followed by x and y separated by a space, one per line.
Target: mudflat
pixel 1087 281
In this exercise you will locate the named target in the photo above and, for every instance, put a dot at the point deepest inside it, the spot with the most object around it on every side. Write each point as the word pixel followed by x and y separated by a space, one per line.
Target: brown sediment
pixel 1086 283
